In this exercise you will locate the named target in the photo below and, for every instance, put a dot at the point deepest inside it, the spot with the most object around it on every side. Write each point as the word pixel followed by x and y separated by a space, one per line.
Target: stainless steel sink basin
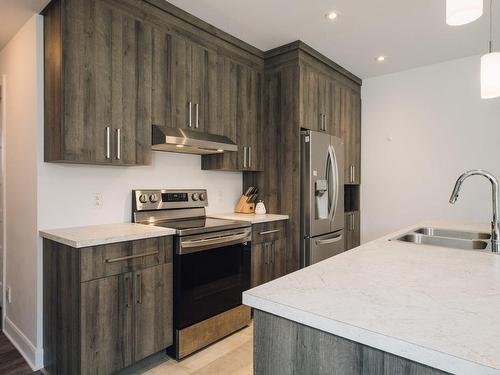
pixel 455 243
pixel 449 233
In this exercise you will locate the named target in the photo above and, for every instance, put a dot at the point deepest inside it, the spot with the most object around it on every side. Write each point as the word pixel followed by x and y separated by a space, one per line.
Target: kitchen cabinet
pixel 350 125
pixel 98 71
pixel 268 252
pixel 320 101
pixel 183 82
pixel 352 229
pixel 108 306
pixel 239 107
pixel 300 85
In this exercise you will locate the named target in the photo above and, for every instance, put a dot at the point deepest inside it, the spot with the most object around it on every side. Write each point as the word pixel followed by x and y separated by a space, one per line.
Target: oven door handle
pixel 192 246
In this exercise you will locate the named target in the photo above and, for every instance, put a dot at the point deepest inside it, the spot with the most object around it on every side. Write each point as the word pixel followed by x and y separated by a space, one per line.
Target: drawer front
pixel 113 259
pixel 266 232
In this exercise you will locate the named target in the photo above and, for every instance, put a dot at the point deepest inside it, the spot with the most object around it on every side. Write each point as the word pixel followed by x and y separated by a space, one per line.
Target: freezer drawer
pixel 322 247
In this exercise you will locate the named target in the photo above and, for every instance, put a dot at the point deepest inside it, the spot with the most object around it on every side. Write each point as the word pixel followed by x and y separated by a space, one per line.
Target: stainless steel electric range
pixel 211 265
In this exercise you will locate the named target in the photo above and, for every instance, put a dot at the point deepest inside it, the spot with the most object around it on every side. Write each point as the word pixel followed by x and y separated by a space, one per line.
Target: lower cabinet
pixel 268 252
pixel 102 325
pixel 352 229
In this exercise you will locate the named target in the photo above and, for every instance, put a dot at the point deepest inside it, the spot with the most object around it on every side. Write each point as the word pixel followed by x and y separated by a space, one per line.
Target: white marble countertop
pixel 252 218
pixel 433 305
pixel 103 234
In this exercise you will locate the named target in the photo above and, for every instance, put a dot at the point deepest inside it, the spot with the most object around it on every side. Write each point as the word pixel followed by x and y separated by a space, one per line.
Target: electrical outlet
pixel 97 201
pixel 8 294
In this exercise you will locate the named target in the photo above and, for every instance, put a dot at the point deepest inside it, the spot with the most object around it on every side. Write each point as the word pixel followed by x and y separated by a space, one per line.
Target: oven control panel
pixel 148 200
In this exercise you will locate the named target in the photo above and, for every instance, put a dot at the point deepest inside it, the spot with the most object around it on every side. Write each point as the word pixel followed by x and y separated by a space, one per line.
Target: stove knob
pixel 203 196
pixel 153 198
pixel 143 198
pixel 194 196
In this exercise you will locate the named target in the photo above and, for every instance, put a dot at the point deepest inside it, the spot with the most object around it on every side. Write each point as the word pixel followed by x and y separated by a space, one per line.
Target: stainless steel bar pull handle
pixel 197 112
pixel 324 123
pixel 139 288
pixel 190 123
pixel 108 142
pixel 244 156
pixel 118 144
pixel 250 157
pixel 269 231
pixel 273 246
pixel 351 173
pixel 120 259
pixel 127 291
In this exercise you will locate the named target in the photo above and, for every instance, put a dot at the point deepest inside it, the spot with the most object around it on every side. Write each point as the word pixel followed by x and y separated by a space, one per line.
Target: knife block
pixel 243 207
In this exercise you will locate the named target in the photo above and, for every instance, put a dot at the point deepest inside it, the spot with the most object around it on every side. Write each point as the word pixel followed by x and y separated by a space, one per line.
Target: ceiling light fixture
pixel 490 67
pixel 331 16
pixel 461 12
pixel 380 58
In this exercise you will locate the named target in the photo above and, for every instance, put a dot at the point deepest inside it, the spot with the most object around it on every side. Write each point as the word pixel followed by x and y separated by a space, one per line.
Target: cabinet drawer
pixel 117 258
pixel 266 232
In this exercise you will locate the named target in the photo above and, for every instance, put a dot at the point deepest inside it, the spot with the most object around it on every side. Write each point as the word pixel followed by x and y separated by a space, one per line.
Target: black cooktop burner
pixel 200 225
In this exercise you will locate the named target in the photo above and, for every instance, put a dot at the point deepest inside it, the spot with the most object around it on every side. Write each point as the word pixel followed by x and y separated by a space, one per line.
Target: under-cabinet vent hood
pixel 190 141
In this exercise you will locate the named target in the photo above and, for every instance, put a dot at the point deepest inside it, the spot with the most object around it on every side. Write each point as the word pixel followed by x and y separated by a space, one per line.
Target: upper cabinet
pixel 98 64
pixel 239 111
pixel 350 128
pixel 329 103
pixel 319 98
pixel 184 82
pixel 115 68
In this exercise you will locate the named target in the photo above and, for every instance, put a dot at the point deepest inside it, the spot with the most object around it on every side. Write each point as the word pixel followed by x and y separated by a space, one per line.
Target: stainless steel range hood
pixel 190 141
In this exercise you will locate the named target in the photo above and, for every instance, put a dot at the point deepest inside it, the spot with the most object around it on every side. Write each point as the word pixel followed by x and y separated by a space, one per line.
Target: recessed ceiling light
pixel 331 16
pixel 380 58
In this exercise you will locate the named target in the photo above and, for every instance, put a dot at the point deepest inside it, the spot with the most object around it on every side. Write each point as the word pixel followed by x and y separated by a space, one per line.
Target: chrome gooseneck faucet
pixel 495 224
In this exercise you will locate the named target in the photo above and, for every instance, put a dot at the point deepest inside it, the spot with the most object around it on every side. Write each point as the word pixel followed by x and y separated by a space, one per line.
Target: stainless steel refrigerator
pixel 322 201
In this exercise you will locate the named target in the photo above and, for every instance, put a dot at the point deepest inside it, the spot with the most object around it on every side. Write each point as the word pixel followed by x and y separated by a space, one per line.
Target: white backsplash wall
pixel 67 192
pixel 420 130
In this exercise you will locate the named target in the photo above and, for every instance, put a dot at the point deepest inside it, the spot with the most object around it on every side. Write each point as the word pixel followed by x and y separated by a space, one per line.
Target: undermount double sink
pixel 447 238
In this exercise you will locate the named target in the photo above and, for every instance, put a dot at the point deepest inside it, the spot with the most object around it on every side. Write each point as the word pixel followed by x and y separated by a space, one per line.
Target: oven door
pixel 211 271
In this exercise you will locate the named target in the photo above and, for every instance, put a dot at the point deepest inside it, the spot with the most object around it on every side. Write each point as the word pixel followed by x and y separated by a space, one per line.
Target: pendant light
pixel 490 68
pixel 460 12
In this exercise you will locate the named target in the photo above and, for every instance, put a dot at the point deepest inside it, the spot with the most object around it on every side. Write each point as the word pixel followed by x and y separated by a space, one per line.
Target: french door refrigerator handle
pixel 335 175
pixel 329 241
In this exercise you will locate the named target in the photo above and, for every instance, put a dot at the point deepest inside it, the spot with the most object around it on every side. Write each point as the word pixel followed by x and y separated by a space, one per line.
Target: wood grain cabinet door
pixel 311 114
pixel 350 125
pixel 278 258
pixel 184 82
pixel 333 108
pixel 239 111
pixel 352 229
pixel 202 71
pixel 249 127
pixel 153 319
pixel 260 264
pixel 127 48
pixel 106 324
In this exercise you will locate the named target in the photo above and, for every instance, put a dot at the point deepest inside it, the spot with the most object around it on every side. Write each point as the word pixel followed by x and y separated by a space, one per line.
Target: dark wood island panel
pixel 283 347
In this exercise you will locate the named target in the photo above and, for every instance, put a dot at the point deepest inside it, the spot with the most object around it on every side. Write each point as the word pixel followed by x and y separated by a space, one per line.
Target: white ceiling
pixel 14 14
pixel 410 33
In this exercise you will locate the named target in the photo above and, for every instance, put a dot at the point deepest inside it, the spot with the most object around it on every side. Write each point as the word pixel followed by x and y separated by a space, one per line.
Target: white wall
pixel 18 62
pixel 66 191
pixel 420 130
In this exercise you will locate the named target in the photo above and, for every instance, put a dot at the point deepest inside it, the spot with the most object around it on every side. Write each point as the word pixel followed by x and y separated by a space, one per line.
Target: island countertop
pixel 433 305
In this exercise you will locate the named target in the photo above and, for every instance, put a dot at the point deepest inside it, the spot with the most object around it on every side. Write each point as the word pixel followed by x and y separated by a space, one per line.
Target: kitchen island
pixel 386 307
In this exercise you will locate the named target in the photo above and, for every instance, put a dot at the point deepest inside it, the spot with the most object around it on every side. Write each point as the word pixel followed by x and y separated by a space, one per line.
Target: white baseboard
pixel 31 354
